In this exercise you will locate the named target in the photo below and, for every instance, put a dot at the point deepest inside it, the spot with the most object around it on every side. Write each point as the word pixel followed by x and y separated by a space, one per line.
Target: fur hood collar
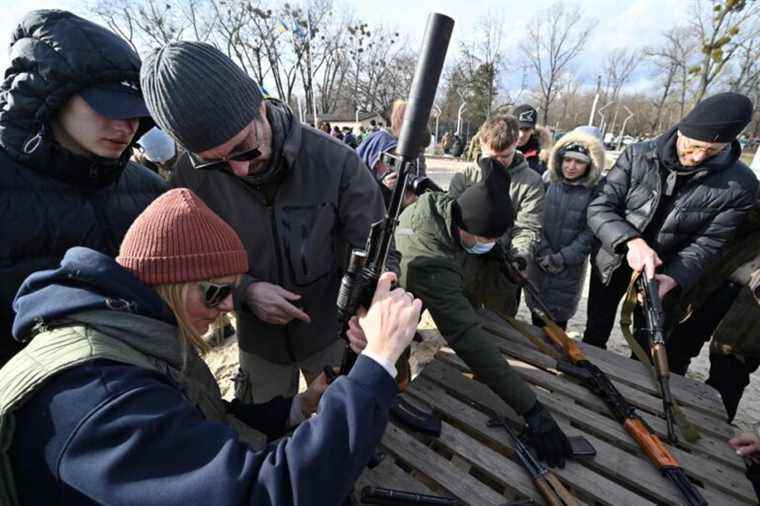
pixel 596 152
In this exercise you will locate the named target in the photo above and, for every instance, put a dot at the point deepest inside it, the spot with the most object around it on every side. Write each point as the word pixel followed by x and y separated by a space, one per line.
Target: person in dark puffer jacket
pixel 670 204
pixel 576 164
pixel 70 108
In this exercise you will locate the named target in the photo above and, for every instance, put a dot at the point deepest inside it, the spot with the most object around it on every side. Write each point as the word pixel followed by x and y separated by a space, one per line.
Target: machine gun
pixel 574 362
pixel 366 265
pixel 655 318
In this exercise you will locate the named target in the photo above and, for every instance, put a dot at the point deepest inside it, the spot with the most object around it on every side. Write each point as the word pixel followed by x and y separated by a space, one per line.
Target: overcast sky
pixel 632 24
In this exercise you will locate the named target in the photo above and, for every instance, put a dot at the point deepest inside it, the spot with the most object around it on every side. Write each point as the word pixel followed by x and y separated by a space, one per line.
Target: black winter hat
pixel 485 208
pixel 719 118
pixel 526 115
pixel 198 95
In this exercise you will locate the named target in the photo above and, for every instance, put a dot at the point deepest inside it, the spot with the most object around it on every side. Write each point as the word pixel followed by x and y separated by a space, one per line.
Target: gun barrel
pixel 424 85
pixel 379 495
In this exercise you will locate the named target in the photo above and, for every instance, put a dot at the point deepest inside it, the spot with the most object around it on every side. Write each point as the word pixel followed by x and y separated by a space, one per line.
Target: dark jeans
pixel 729 374
pixel 603 301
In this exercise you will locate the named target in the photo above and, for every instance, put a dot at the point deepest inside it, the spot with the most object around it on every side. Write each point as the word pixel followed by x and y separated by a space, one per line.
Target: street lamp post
pixel 603 124
pixel 622 130
pixel 459 117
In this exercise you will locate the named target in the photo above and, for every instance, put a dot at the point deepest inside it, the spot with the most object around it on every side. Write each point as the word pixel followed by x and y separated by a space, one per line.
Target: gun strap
pixel 687 429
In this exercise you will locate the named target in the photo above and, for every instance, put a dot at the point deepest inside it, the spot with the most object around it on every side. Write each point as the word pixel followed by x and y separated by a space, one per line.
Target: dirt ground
pixel 223 359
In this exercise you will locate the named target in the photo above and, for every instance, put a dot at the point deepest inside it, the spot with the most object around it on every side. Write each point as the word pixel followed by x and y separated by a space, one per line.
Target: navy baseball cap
pixel 116 100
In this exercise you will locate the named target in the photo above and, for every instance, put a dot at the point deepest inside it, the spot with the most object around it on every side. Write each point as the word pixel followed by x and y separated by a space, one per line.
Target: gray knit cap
pixel 198 95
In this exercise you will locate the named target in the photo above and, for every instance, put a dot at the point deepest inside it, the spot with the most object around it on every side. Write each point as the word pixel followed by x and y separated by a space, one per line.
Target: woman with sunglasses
pixel 111 403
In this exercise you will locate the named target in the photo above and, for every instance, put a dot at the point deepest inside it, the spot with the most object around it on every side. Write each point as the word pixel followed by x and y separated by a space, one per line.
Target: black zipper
pixel 258 193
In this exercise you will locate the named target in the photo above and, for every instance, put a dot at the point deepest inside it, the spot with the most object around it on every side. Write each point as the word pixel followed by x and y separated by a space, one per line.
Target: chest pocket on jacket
pixel 308 241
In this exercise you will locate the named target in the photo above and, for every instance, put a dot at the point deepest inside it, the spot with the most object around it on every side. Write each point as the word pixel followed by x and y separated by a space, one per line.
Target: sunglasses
pixel 706 150
pixel 243 156
pixel 214 294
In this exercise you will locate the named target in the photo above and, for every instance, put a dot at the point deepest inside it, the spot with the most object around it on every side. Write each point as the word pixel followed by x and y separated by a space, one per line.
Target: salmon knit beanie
pixel 178 239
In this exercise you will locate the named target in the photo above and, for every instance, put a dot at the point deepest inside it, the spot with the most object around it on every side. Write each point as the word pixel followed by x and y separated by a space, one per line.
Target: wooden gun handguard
pixel 650 443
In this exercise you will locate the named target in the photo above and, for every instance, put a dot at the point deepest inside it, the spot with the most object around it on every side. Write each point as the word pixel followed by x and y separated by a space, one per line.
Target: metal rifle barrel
pixel 656 317
pixel 378 495
pixel 693 497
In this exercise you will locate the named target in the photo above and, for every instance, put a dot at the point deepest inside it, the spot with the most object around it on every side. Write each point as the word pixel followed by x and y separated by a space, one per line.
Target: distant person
pixel 72 109
pixel 156 151
pixel 337 133
pixel 348 137
pixel 669 207
pixel 446 142
pixel 534 142
pixel 373 126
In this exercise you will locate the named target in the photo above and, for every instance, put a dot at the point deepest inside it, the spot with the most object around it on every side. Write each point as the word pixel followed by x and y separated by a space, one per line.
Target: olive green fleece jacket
pixel 448 280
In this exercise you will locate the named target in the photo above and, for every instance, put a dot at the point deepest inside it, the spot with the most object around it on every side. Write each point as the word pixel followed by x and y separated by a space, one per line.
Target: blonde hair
pixel 499 132
pixel 175 296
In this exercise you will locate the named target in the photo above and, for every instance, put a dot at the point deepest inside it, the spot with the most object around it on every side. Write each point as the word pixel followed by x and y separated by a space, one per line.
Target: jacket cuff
pixel 619 244
pixel 238 296
pixel 373 376
pixel 683 277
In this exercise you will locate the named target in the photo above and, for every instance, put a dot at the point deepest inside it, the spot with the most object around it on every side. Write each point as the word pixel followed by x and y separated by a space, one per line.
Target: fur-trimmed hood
pixel 595 148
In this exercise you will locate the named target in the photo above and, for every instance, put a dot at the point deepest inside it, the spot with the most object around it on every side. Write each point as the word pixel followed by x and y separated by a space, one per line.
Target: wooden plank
pixel 461 485
pixel 690 392
pixel 714 434
pixel 729 481
pixel 583 481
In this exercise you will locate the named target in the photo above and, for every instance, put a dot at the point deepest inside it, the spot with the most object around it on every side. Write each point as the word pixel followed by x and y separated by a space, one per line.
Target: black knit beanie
pixel 198 95
pixel 719 118
pixel 485 208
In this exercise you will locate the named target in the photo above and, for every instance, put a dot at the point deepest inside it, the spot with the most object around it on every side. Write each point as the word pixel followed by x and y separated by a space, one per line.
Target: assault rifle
pixel 575 363
pixel 366 265
pixel 545 481
pixel 655 318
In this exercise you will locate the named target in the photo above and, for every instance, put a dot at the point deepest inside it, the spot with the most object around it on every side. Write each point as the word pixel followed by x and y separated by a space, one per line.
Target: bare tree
pixel 619 67
pixel 483 57
pixel 556 37
pixel 722 28
pixel 672 60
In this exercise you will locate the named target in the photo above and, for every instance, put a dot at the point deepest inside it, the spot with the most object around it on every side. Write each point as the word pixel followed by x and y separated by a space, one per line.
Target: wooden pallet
pixel 473 462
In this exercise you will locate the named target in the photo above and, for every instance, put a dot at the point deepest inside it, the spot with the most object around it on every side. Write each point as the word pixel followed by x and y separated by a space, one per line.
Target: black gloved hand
pixel 546 437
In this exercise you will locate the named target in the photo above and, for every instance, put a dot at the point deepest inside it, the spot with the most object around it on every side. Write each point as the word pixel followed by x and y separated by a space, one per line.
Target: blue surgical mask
pixel 479 248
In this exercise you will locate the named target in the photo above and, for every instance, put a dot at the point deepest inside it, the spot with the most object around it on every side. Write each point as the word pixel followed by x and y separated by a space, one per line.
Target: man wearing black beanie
pixel 444 244
pixel 669 206
pixel 297 198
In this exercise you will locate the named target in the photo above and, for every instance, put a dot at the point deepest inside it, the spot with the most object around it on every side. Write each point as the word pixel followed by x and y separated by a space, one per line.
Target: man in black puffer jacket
pixel 70 109
pixel 670 204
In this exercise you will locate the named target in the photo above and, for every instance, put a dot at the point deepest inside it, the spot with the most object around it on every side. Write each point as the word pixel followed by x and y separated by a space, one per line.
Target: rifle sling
pixel 688 430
